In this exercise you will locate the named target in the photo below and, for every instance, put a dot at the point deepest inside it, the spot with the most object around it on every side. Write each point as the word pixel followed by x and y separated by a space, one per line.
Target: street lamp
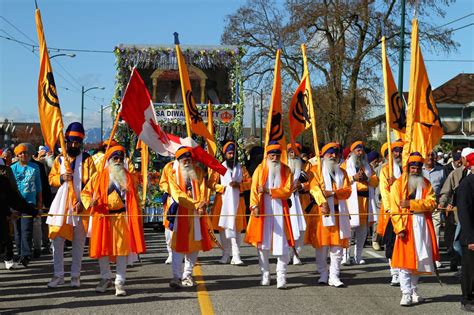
pixel 84 91
pixel 261 112
pixel 102 121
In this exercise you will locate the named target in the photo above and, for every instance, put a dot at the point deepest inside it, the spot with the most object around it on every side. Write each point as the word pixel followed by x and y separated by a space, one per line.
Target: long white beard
pixel 414 181
pixel 397 161
pixel 359 160
pixel 117 174
pixel 49 161
pixel 295 165
pixel 188 172
pixel 331 165
pixel 274 170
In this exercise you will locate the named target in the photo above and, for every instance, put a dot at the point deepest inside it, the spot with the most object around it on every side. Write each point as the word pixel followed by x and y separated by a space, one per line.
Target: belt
pixel 363 194
pixel 122 210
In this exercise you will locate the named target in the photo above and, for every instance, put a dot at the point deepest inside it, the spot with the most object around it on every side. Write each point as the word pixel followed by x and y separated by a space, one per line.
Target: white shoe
pixel 119 290
pixel 265 279
pixel 376 245
pixel 237 261
pixel 169 260
pixel 415 298
pixel 55 281
pixel 75 282
pixel 395 281
pixel 406 300
pixel 10 264
pixel 346 261
pixel 225 260
pixel 296 260
pixel 188 282
pixel 103 285
pixel 281 282
pixel 335 282
pixel 176 283
pixel 438 264
pixel 360 262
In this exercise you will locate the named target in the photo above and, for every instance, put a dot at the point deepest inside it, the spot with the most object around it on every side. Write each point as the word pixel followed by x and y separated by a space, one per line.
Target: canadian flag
pixel 139 113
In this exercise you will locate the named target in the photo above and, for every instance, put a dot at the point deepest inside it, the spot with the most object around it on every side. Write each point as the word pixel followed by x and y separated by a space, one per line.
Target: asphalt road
pixel 231 289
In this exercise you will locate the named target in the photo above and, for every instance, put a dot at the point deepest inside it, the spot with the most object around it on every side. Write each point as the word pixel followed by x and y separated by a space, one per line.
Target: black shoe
pixel 24 260
pixel 467 307
pixel 37 253
pixel 453 267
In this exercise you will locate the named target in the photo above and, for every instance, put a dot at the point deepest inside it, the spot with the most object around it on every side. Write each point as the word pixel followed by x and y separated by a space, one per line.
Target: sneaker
pixel 346 261
pixel 103 285
pixel 438 264
pixel 169 260
pixel 467 307
pixel 406 300
pixel 265 279
pixel 188 282
pixel 376 246
pixel 225 260
pixel 297 261
pixel 237 261
pixel 55 281
pixel 75 282
pixel 360 262
pixel 281 282
pixel 176 283
pixel 10 264
pixel 119 290
pixel 415 298
pixel 336 282
pixel 24 260
pixel 395 281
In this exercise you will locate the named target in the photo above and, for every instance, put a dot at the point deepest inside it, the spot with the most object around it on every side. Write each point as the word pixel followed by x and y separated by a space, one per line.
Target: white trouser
pixel 263 260
pixel 226 244
pixel 393 271
pixel 168 237
pixel 37 233
pixel 360 234
pixel 189 262
pixel 235 243
pixel 408 281
pixel 120 268
pixel 436 217
pixel 335 255
pixel 79 238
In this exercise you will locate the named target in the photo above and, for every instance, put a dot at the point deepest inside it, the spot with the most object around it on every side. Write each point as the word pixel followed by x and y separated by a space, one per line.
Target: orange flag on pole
pixel 48 102
pixel 211 144
pixel 194 122
pixel 424 129
pixel 274 128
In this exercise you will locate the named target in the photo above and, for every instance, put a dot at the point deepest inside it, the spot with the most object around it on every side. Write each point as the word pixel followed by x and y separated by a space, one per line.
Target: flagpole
pixel 176 43
pixel 311 108
pixel 387 109
pixel 401 52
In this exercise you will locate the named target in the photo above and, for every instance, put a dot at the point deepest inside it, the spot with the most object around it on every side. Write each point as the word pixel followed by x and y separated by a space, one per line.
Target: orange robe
pixel 404 252
pixel 165 188
pixel 183 240
pixel 384 215
pixel 254 235
pixel 214 184
pixel 88 170
pixel 120 234
pixel 317 234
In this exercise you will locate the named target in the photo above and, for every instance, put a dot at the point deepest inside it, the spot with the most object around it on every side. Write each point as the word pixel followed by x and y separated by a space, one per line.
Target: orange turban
pixel 181 151
pixel 20 148
pixel 384 149
pixel 330 145
pixel 357 144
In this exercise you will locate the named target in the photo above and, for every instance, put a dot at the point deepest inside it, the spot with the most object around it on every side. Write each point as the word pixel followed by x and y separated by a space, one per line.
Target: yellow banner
pixel 194 122
pixel 48 102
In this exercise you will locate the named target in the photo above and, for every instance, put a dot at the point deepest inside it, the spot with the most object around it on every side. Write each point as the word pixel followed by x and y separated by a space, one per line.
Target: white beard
pixel 359 161
pixel 331 165
pixel 188 172
pixel 274 171
pixel 118 175
pixel 295 165
pixel 397 161
pixel 49 161
pixel 414 181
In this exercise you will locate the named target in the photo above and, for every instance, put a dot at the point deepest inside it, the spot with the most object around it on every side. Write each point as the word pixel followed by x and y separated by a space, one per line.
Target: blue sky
pixel 103 24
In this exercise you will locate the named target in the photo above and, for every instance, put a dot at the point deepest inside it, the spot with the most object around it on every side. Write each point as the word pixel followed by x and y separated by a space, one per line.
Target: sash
pixel 61 205
pixel 422 238
pixel 330 220
pixel 353 199
pixel 298 223
pixel 230 199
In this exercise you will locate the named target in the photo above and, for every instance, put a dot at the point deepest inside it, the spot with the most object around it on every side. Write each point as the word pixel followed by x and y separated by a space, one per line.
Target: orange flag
pixel 211 144
pixel 48 103
pixel 298 112
pixel 194 122
pixel 274 128
pixel 424 129
pixel 395 112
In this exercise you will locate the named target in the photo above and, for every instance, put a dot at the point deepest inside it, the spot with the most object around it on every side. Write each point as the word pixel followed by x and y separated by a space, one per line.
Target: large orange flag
pixel 211 144
pixel 48 102
pixel 274 129
pixel 194 122
pixel 424 129
pixel 395 112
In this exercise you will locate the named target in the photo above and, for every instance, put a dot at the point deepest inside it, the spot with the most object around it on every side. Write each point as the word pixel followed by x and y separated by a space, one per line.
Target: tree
pixel 343 39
